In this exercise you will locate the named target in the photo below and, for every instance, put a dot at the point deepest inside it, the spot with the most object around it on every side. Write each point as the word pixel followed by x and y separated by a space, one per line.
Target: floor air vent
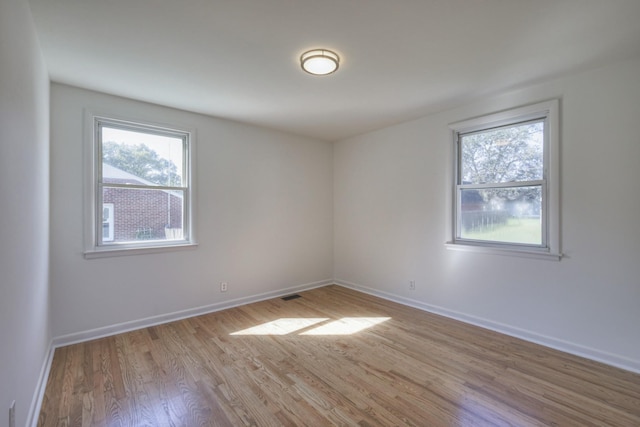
pixel 290 297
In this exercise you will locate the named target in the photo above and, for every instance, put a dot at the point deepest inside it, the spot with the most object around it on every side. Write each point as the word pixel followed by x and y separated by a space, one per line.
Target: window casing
pixel 140 188
pixel 506 182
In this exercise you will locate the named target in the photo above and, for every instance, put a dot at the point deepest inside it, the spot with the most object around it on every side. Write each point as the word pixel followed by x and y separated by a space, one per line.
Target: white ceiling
pixel 401 59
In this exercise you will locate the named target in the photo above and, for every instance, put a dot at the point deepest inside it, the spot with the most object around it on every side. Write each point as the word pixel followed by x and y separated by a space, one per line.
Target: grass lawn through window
pixel 516 230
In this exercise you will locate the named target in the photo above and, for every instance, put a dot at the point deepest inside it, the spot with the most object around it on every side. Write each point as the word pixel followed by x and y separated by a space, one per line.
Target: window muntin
pixel 141 182
pixel 506 190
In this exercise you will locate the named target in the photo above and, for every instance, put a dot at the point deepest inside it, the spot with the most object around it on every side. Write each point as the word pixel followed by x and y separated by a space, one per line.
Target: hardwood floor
pixel 332 357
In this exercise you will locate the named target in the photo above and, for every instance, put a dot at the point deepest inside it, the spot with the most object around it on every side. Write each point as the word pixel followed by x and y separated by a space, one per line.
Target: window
pixel 506 182
pixel 141 193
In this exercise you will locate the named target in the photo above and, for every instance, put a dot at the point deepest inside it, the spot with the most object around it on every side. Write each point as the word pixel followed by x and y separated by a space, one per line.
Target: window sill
pixel 525 253
pixel 109 251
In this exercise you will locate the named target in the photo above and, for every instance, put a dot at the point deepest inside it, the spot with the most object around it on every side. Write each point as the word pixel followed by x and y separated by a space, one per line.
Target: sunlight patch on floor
pixel 282 326
pixel 287 325
pixel 346 326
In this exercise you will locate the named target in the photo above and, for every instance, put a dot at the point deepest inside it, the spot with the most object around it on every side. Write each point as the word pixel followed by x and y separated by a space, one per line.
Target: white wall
pixel 392 201
pixel 264 220
pixel 24 210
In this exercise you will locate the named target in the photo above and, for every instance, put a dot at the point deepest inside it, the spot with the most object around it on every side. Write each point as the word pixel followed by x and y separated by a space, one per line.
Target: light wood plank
pixel 414 369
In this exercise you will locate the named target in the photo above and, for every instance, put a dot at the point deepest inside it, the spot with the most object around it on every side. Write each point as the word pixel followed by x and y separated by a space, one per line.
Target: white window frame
pixel 549 111
pixel 95 247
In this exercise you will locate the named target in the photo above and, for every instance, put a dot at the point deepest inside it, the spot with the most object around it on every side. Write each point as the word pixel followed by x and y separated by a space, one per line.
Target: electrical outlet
pixel 12 414
pixel 223 286
pixel 412 285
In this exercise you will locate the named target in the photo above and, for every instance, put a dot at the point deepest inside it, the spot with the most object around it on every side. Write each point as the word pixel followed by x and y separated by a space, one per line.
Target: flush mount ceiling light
pixel 319 62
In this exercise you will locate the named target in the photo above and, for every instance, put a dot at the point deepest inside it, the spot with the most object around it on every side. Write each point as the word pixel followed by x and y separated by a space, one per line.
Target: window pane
pixel 509 215
pixel 130 157
pixel 144 214
pixel 507 154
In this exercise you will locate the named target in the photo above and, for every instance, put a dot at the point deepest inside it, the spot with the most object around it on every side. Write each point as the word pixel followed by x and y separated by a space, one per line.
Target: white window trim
pixel 550 110
pixel 92 249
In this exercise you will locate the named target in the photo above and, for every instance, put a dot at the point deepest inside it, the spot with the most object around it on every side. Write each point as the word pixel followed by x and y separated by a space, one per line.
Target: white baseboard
pixel 547 341
pixel 119 328
pixel 36 401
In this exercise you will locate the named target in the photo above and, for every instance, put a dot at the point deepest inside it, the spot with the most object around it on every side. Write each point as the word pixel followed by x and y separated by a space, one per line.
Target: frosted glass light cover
pixel 319 61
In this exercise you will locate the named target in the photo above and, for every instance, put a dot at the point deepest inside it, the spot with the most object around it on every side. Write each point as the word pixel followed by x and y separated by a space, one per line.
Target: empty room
pixel 340 212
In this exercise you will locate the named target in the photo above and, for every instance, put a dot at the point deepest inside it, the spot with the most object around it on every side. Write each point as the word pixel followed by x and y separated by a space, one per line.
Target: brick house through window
pixel 137 214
